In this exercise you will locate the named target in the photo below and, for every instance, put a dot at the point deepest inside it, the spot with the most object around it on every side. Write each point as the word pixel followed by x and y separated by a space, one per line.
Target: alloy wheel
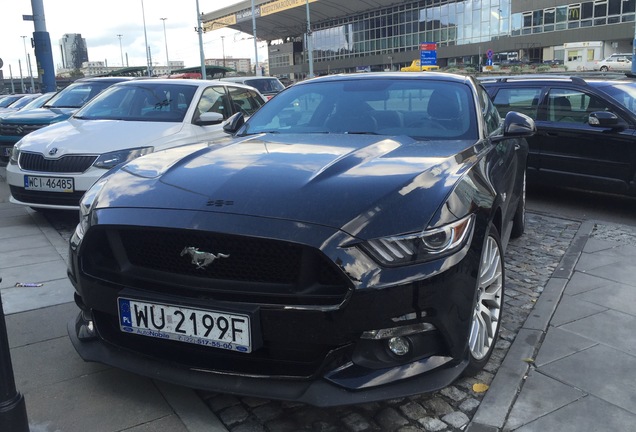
pixel 487 310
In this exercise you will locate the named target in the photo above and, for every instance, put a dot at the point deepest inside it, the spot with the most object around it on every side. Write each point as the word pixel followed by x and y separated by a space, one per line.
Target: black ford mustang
pixel 344 245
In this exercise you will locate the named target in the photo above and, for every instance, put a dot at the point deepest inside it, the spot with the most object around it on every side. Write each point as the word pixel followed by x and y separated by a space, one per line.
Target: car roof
pixel 243 78
pixel 105 79
pixel 185 82
pixel 582 79
pixel 428 75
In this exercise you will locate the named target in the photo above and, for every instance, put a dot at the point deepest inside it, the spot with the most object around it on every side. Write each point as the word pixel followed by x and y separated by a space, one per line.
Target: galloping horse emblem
pixel 201 259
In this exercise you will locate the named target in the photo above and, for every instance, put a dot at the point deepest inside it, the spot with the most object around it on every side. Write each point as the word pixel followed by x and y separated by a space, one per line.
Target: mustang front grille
pixel 245 269
pixel 65 164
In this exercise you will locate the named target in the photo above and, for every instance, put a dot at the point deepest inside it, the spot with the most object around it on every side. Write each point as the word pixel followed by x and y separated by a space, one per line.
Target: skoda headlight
pixel 424 246
pixel 15 154
pixel 112 159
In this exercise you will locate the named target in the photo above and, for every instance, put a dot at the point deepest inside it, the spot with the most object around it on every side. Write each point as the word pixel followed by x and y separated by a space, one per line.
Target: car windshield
pixel 39 101
pixel 142 101
pixel 76 95
pixel 8 100
pixel 266 85
pixel 23 101
pixel 624 93
pixel 423 109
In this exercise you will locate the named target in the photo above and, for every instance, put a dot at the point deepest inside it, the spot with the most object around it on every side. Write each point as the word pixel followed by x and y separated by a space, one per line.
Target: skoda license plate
pixel 49 184
pixel 196 326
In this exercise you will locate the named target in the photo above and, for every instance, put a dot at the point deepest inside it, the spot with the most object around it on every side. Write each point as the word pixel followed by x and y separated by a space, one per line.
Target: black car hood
pixel 357 183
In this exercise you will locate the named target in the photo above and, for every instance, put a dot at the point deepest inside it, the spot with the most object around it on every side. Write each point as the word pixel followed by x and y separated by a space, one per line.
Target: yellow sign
pixel 219 23
pixel 281 5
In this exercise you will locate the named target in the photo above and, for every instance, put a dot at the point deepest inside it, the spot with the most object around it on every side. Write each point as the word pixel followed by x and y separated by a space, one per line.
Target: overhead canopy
pixel 277 19
pixel 135 71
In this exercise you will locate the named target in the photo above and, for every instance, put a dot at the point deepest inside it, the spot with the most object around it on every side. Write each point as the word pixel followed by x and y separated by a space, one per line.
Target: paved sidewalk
pixel 571 367
pixel 62 392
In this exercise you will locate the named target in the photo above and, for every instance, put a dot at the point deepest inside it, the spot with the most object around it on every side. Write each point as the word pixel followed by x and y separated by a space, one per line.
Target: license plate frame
pixel 225 330
pixel 49 184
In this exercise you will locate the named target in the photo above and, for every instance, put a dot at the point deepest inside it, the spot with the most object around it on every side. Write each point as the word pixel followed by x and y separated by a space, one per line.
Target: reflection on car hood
pixel 351 182
pixel 95 136
pixel 40 115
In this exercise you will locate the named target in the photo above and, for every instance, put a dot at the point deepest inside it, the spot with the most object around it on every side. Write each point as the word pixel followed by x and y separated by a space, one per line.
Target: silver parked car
pixel 616 62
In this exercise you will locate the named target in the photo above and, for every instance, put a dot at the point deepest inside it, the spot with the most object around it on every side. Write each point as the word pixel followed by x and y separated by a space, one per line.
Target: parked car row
pixel 52 167
pixel 58 108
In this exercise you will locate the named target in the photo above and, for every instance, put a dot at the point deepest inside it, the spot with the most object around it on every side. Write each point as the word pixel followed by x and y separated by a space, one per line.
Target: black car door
pixel 575 154
pixel 523 98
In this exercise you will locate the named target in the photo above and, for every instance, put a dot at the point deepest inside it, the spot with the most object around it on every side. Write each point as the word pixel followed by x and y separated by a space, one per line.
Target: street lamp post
pixel 165 38
pixel 257 70
pixel 223 48
pixel 21 77
pixel 121 50
pixel 310 48
pixel 28 59
pixel 199 30
pixel 148 58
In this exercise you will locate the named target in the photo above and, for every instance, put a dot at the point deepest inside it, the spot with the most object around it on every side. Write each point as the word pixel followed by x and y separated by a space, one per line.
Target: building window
pixel 587 11
pixel 600 12
pixel 574 15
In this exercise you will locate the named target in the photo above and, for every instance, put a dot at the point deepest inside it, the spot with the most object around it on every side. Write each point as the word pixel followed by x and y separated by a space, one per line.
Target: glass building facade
pixel 403 27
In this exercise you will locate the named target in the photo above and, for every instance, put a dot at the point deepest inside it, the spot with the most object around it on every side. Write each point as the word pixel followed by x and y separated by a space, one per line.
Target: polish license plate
pixel 49 184
pixel 215 329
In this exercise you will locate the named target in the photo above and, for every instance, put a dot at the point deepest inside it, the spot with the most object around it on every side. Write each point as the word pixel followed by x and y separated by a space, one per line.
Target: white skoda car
pixel 52 167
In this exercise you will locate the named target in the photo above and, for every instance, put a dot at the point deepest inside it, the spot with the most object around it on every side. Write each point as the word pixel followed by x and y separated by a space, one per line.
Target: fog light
pixel 399 346
pixel 85 327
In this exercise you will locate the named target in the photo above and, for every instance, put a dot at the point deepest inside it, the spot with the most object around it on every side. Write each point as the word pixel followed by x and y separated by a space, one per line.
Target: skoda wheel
pixel 488 304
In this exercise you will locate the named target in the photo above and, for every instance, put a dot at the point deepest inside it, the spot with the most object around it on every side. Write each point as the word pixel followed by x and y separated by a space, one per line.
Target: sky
pixel 99 23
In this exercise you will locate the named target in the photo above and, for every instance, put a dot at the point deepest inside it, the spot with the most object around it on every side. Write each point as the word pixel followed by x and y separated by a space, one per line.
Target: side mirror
pixel 234 123
pixel 605 119
pixel 209 118
pixel 518 125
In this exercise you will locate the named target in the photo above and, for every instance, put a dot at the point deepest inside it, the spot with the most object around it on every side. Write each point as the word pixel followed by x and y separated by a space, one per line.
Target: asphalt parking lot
pixel 530 261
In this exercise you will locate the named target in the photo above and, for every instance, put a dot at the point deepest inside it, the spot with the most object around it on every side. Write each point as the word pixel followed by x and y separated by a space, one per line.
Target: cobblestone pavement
pixel 616 233
pixel 530 261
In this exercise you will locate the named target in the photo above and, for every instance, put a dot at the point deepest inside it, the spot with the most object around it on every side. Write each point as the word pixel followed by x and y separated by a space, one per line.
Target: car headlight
pixel 427 245
pixel 85 206
pixel 15 154
pixel 112 159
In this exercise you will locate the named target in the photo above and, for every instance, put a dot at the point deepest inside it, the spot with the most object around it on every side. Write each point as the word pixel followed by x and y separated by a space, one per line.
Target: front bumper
pixel 50 200
pixel 308 353
pixel 319 392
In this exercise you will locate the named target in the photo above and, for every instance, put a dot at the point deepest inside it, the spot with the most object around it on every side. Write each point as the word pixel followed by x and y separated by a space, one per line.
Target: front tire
pixel 488 305
pixel 604 69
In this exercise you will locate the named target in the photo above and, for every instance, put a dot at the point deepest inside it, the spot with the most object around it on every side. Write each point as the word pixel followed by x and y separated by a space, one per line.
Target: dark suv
pixel 585 128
